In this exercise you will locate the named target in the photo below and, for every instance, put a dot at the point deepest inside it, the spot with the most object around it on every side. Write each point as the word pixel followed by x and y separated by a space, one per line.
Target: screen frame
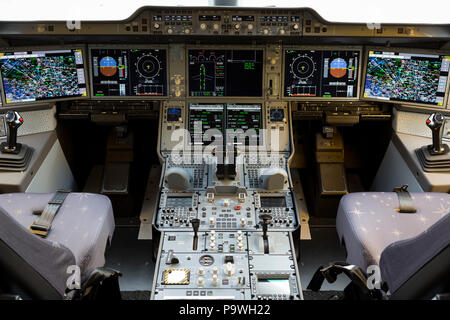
pixel 226 47
pixel 322 48
pixel 405 50
pixel 128 46
pixel 52 100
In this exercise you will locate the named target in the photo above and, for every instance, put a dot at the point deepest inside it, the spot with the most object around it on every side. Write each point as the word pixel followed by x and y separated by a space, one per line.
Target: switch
pixel 215 271
pixel 229 269
pixel 215 280
pixel 201 271
pixel 237 207
pixel 200 282
pixel 243 222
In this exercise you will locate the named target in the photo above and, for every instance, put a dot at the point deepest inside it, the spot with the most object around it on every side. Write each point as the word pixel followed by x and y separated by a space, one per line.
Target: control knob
pixel 229 269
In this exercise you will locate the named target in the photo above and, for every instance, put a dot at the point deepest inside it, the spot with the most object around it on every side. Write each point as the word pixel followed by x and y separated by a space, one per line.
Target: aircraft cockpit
pixel 223 154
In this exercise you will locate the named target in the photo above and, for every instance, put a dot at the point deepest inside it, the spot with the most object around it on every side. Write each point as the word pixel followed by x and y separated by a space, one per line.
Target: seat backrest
pixel 418 267
pixel 36 267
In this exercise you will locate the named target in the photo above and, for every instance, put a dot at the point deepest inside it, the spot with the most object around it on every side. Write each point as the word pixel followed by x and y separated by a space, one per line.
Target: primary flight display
pixel 128 72
pixel 29 76
pixel 321 73
pixel 407 77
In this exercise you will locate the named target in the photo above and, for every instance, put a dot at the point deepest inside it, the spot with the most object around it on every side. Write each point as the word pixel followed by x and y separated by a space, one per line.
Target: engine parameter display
pixel 128 72
pixel 407 77
pixel 42 75
pixel 321 73
pixel 225 73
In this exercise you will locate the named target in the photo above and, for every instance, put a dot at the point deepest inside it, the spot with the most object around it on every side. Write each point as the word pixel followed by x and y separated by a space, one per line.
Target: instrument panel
pixel 203 74
pixel 128 72
pixel 322 73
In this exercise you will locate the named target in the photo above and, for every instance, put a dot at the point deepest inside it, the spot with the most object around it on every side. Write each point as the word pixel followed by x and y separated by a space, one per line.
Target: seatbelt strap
pixel 404 200
pixel 41 227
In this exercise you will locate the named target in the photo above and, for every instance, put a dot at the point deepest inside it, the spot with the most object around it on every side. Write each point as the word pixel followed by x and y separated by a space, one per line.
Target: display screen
pixel 225 73
pixel 407 77
pixel 321 73
pixel 273 202
pixel 277 115
pixel 173 114
pixel 245 117
pixel 41 75
pixel 203 117
pixel 273 286
pixel 128 72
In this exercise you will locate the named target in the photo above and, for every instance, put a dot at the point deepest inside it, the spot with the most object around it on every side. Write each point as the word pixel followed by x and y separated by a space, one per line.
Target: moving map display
pixel 128 72
pixel 407 77
pixel 321 73
pixel 41 75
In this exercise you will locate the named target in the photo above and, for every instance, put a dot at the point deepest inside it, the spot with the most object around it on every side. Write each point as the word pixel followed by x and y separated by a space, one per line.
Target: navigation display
pixel 225 73
pixel 128 72
pixel 321 73
pixel 29 76
pixel 245 117
pixel 407 77
pixel 203 117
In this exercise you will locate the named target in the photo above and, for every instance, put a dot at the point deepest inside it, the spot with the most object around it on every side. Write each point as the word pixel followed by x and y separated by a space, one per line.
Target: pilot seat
pixel 41 267
pixel 403 235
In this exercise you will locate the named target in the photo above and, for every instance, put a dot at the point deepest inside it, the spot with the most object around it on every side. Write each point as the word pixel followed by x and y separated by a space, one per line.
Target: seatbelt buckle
pixel 40 229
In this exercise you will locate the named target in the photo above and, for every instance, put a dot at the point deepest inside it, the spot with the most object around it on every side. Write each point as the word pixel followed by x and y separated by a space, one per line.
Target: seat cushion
pixel 369 222
pixel 84 223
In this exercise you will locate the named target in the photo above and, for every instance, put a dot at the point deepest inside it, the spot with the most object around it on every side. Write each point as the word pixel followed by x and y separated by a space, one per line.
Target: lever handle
pixel 436 122
pixel 196 225
pixel 13 120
